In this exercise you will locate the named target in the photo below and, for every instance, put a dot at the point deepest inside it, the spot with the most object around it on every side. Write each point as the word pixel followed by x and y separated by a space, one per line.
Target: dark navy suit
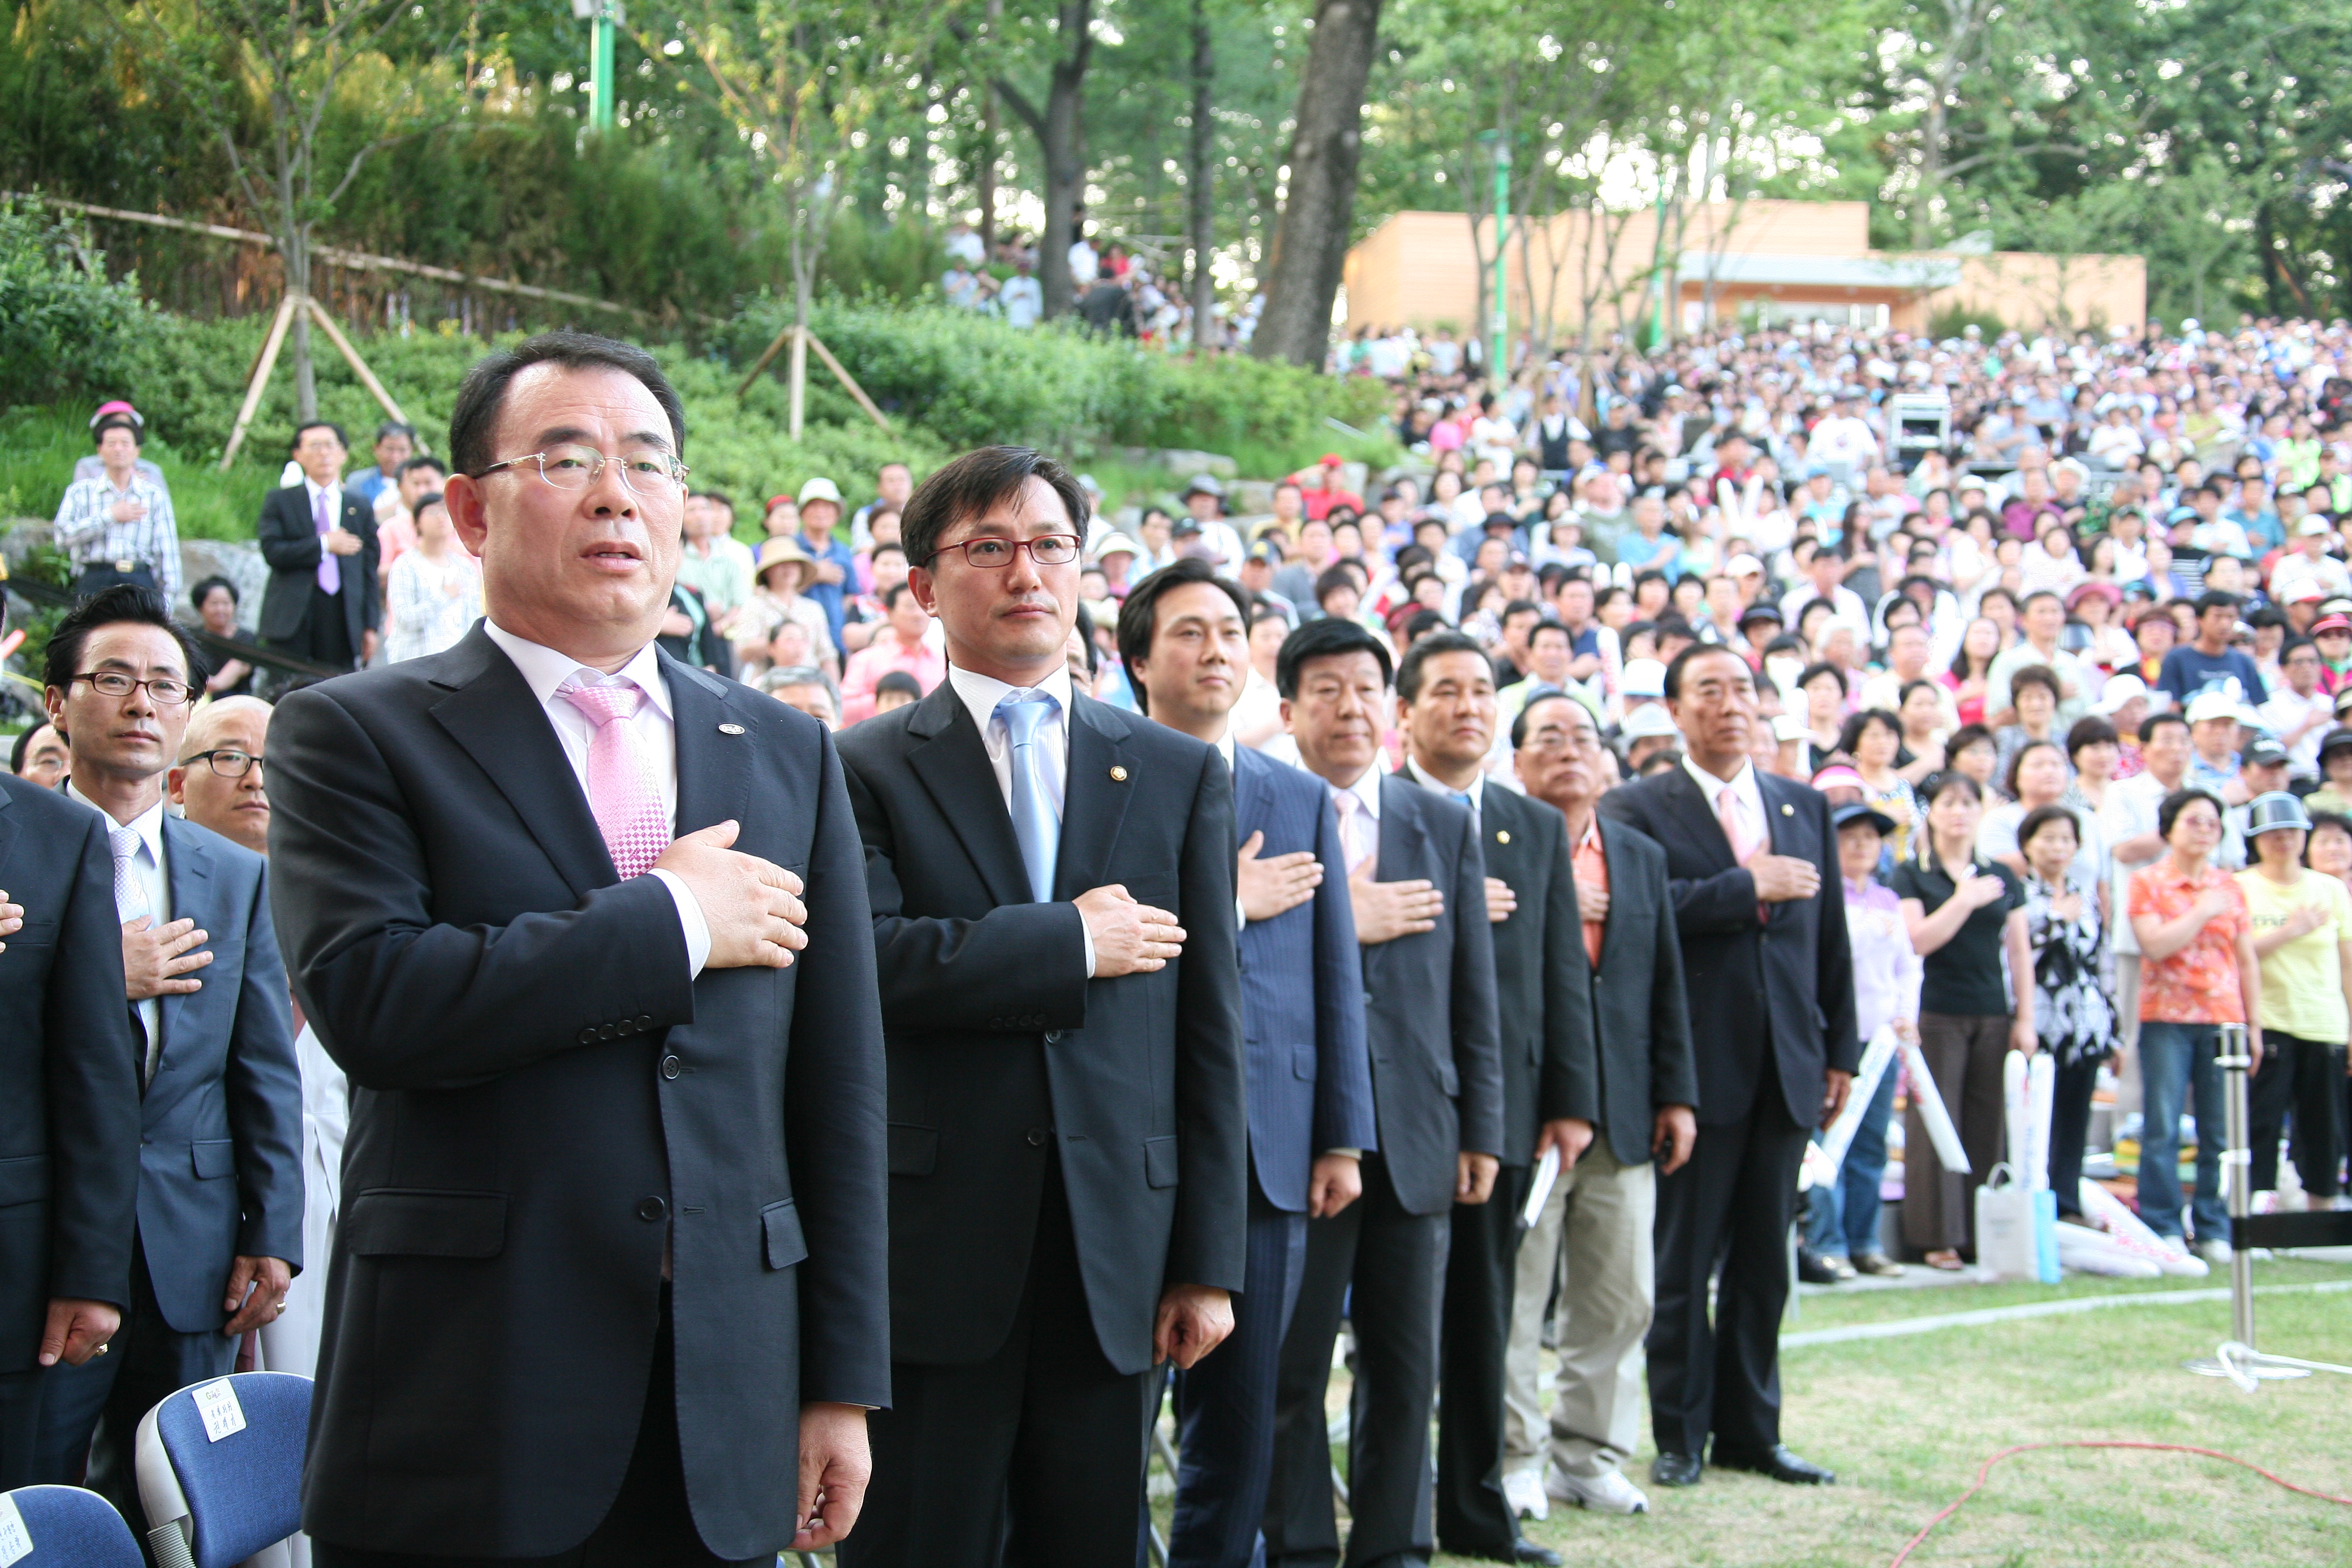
pixel 220 1166
pixel 1310 1090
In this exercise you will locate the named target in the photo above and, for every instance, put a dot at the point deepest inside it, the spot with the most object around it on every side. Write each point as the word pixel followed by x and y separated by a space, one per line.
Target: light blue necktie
pixel 1467 804
pixel 1036 822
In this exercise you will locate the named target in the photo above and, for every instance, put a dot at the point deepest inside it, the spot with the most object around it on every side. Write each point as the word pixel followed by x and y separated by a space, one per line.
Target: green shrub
pixel 65 330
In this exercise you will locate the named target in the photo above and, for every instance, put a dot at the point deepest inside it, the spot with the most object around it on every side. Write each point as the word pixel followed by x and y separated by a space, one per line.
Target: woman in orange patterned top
pixel 2198 971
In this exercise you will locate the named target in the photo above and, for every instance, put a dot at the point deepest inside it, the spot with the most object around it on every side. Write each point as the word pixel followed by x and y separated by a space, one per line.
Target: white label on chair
pixel 15 1543
pixel 216 1403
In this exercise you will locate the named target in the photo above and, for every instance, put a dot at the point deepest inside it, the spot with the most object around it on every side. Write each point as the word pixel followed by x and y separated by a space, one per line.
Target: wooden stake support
pixel 359 365
pixel 259 381
pixel 848 382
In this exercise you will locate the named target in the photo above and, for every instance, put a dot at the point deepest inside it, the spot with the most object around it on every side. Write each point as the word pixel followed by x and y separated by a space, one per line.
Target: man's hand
pixel 1193 1321
pixel 1841 1084
pixel 1335 1181
pixel 1591 902
pixel 1130 938
pixel 12 919
pixel 1387 910
pixel 130 509
pixel 1784 879
pixel 339 543
pixel 156 962
pixel 367 646
pixel 1671 1137
pixel 1571 1135
pixel 1272 886
pixel 1474 1177
pixel 751 906
pixel 1500 901
pixel 256 1294
pixel 835 1465
pixel 77 1330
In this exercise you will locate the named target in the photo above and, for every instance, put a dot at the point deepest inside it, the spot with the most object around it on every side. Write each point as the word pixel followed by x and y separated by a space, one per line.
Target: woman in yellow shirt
pixel 2302 928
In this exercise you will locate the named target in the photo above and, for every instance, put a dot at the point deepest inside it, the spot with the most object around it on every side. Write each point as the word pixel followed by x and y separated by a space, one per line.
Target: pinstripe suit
pixel 1310 1090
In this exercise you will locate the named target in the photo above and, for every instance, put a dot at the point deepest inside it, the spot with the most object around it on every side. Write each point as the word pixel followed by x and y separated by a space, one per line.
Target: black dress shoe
pixel 1526 1550
pixel 1676 1470
pixel 1780 1465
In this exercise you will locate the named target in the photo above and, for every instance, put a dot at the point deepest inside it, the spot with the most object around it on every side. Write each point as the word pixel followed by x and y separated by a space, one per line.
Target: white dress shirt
pixel 1476 792
pixel 148 867
pixel 1746 795
pixel 543 670
pixel 980 695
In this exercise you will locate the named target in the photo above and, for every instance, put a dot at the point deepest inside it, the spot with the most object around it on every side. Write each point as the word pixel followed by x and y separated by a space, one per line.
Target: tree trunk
pixel 298 343
pixel 1203 177
pixel 1311 241
pixel 988 131
pixel 1060 139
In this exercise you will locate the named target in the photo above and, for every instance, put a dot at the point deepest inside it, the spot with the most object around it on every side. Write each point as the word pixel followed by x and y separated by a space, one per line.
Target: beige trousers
pixel 1604 1211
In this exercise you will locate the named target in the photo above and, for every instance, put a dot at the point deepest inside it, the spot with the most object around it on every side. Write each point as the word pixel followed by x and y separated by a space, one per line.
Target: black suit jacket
pixel 541 1097
pixel 1429 1006
pixel 1000 1046
pixel 68 1073
pixel 1542 982
pixel 288 537
pixel 1772 1004
pixel 1639 1005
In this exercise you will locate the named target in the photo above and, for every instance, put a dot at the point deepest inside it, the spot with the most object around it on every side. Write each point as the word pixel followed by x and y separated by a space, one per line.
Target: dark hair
pixel 1814 671
pixel 1698 650
pixel 1520 607
pixel 123 602
pixel 1138 617
pixel 1327 638
pixel 898 680
pixel 2042 816
pixel 2017 763
pixel 2214 599
pixel 1084 621
pixel 2178 801
pixel 1857 723
pixel 24 745
pixel 1903 697
pixel 425 460
pixel 114 422
pixel 436 499
pixel 1549 625
pixel 1408 675
pixel 1335 576
pixel 309 425
pixel 2155 721
pixel 203 591
pixel 1421 623
pixel 2294 646
pixel 721 498
pixel 2040 675
pixel 894 593
pixel 2043 592
pixel 1932 789
pixel 2319 819
pixel 2091 731
pixel 975 482
pixel 394 428
pixel 1519 724
pixel 474 422
pixel 1968 735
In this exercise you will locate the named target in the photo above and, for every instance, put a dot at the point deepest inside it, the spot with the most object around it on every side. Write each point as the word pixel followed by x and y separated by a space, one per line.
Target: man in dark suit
pixel 1604 1208
pixel 614 1164
pixel 320 539
pixel 1446 707
pixel 68 1105
pixel 1053 892
pixel 1417 888
pixel 218 1232
pixel 1753 864
pixel 1184 633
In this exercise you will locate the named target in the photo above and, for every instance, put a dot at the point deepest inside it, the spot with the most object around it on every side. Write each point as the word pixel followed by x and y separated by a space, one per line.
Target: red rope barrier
pixel 1985 1471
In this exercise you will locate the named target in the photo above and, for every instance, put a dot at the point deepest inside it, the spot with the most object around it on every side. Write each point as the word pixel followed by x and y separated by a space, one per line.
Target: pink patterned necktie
pixel 1745 842
pixel 621 790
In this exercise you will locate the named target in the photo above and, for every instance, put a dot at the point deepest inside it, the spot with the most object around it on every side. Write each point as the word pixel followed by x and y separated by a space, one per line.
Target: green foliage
pixel 65 329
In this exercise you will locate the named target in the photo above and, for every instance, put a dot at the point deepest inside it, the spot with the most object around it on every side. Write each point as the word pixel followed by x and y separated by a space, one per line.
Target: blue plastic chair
pixel 212 1502
pixel 66 1528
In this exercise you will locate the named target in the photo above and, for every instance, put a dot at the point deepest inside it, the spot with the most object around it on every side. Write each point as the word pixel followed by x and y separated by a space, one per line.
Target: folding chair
pixel 63 1527
pixel 220 1471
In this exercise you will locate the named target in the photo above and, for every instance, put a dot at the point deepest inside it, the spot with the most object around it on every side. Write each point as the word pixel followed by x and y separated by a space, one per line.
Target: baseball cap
pixel 1838 775
pixel 2263 752
pixel 1644 678
pixel 820 488
pixel 1845 817
pixel 1743 566
pixel 2120 690
pixel 1760 611
pixel 118 408
pixel 1649 721
pixel 2337 739
pixel 1333 460
pixel 2303 593
pixel 2311 525
pixel 1204 484
pixel 2212 705
pixel 2336 623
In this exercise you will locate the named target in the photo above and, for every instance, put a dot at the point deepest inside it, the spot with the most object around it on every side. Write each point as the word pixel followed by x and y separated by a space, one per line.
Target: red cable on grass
pixel 1985 1471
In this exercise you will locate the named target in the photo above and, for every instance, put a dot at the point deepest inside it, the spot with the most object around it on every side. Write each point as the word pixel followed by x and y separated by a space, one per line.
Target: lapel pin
pixel 1502 835
pixel 738 729
pixel 1788 811
pixel 1118 774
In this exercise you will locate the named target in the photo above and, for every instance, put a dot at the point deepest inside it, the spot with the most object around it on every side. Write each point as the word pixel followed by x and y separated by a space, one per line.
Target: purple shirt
pixel 1885 971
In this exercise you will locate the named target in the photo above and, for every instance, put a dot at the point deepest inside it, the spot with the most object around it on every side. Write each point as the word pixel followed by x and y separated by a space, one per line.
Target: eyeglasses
pixel 164 692
pixel 226 762
pixel 996 554
pixel 573 468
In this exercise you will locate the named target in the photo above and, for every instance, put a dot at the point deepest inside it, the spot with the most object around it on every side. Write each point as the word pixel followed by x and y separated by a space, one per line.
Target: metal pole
pixel 600 70
pixel 1498 367
pixel 2237 1173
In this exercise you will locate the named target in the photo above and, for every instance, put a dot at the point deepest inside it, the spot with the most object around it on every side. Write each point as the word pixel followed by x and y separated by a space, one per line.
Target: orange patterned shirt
pixel 2198 985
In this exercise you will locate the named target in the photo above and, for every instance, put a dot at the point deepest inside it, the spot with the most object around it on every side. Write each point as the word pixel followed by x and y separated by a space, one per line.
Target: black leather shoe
pixel 1676 1470
pixel 1526 1550
pixel 1780 1465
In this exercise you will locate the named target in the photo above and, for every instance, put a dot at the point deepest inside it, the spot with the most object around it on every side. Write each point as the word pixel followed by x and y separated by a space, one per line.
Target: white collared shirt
pixel 1745 791
pixel 1476 792
pixel 156 882
pixel 544 669
pixel 980 695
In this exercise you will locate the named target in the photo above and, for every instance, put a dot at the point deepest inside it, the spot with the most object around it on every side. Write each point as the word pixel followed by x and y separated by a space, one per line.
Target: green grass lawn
pixel 1906 1421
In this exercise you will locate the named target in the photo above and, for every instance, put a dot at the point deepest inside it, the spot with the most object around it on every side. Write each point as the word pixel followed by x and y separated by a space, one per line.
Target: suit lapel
pixel 949 757
pixel 493 715
pixel 1253 802
pixel 1100 783
pixel 1404 839
pixel 1689 803
pixel 7 827
pixel 188 870
pixel 714 769
pixel 1624 895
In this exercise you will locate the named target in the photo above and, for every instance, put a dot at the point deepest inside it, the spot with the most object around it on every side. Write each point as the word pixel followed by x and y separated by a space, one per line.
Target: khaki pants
pixel 1605 1211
